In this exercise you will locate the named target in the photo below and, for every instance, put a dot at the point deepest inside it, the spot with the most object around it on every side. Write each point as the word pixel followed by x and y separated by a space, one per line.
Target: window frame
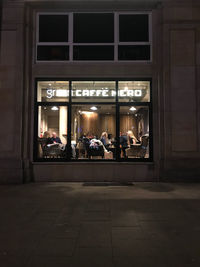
pixel 51 43
pixel 116 42
pixel 69 105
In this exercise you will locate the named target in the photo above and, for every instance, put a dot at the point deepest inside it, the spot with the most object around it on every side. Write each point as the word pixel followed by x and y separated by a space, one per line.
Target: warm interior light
pixel 54 108
pixel 93 108
pixel 87 112
pixel 132 108
pixel 126 88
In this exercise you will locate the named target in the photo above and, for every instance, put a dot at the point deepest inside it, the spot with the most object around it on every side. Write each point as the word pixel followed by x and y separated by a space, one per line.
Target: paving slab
pixel 76 224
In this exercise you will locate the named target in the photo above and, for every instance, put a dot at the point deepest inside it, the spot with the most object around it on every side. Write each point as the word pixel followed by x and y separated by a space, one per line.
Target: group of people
pixel 93 142
pixel 126 140
pixel 55 140
pixel 51 139
pixel 106 141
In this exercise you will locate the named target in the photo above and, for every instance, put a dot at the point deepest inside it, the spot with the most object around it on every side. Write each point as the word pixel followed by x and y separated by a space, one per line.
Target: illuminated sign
pixel 93 93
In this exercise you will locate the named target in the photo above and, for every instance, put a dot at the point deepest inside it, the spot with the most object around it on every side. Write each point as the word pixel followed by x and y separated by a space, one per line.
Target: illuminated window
pixel 93 120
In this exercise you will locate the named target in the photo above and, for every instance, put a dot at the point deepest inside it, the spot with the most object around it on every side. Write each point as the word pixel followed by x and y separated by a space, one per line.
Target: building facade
pixel 99 91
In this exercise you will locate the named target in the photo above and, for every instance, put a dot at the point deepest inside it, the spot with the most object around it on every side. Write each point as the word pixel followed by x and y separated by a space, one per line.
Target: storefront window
pixel 134 132
pixel 53 91
pixel 93 91
pixel 93 120
pixel 93 131
pixel 134 91
pixel 52 132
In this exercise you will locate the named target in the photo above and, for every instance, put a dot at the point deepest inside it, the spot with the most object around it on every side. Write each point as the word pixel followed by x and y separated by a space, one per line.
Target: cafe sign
pixel 50 93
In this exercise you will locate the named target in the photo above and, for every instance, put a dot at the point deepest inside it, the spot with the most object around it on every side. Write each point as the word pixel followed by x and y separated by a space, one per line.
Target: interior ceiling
pixel 92 85
pixel 101 109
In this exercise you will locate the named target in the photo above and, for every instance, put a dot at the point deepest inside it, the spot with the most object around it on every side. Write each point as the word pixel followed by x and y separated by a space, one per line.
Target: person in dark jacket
pixel 123 140
pixel 55 139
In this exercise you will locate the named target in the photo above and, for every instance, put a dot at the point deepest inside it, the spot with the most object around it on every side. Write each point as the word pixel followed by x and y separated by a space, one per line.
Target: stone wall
pixel 11 93
pixel 181 28
pixel 175 72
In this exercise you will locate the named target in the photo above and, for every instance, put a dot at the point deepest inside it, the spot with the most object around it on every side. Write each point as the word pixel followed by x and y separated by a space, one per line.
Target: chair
pixel 80 149
pixel 50 151
pixel 138 150
pixel 95 152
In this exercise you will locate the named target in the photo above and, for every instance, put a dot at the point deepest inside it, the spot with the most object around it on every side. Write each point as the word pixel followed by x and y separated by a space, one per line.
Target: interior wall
pixel 89 123
pixel 107 124
pixel 53 124
pixel 128 122
pixel 63 123
pixel 95 124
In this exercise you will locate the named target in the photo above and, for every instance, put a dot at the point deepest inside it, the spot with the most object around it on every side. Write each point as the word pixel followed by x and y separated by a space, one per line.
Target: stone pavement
pixel 75 225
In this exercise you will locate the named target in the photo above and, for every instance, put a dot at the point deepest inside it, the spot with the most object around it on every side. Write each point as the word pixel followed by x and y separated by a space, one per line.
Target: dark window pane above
pixel 133 28
pixel 98 52
pixel 93 28
pixel 134 52
pixel 53 28
pixel 56 53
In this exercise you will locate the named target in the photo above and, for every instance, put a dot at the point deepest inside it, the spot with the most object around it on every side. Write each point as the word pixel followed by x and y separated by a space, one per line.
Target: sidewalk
pixel 75 225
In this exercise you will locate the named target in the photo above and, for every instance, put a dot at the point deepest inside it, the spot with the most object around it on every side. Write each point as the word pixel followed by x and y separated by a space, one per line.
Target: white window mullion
pixel 70 36
pixel 116 35
pixel 37 35
pixel 150 36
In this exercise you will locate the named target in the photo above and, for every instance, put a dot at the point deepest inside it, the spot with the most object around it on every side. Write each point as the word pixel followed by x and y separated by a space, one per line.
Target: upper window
pixel 94 36
pixel 49 25
pixel 93 28
pixel 134 28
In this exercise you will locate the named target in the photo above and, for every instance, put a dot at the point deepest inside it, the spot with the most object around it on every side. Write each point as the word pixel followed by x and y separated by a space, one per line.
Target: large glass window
pixel 93 120
pixel 134 132
pixel 93 131
pixel 52 132
pixel 97 36
pixel 52 91
pixel 134 91
pixel 93 91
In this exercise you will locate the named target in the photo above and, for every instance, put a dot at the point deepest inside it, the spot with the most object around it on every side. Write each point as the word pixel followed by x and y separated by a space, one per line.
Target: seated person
pixel 55 139
pixel 62 146
pixel 131 138
pixel 47 138
pixel 104 139
pixel 95 144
